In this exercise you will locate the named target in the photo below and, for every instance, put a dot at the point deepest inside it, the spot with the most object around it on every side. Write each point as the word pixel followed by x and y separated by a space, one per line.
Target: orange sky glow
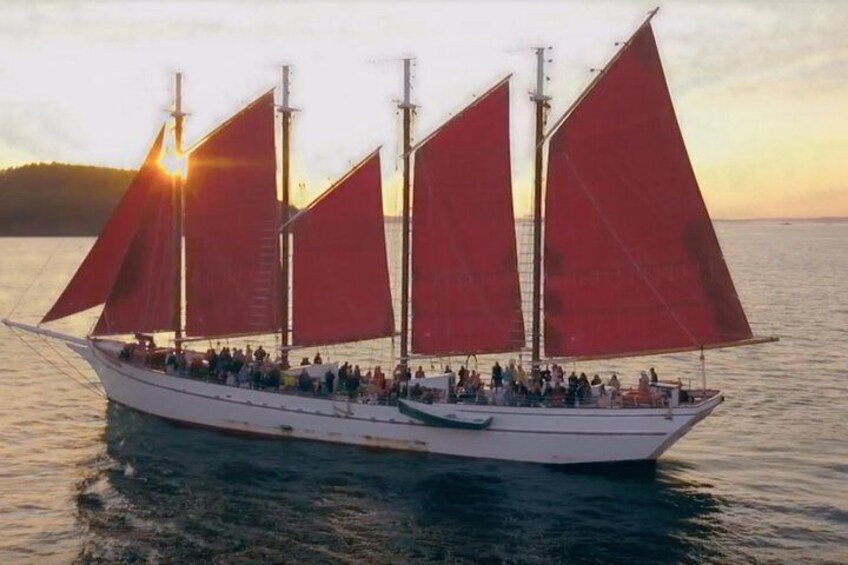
pixel 759 86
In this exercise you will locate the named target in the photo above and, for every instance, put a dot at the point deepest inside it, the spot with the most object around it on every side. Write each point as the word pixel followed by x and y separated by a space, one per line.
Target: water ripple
pixel 761 481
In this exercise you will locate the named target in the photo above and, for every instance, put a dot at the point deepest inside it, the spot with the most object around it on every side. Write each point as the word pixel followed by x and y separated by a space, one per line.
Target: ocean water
pixel 763 480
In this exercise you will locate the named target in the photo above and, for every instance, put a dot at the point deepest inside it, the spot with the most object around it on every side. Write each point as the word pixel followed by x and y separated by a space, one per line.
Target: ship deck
pixel 660 395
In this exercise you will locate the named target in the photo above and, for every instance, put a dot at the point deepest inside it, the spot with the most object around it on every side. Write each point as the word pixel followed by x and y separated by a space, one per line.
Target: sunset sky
pixel 760 87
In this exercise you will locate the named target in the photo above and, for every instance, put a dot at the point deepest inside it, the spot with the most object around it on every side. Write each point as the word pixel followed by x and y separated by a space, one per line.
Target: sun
pixel 174 163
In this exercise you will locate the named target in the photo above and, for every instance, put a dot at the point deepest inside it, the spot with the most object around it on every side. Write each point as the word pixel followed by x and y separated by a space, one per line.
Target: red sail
pixel 142 298
pixel 341 289
pixel 465 290
pixel 632 264
pixel 231 227
pixel 93 280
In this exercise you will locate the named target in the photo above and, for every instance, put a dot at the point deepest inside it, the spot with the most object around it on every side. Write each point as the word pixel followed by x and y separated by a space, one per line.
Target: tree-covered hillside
pixel 47 199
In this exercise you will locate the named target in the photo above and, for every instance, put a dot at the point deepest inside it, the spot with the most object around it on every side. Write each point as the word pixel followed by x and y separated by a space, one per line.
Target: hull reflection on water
pixel 179 494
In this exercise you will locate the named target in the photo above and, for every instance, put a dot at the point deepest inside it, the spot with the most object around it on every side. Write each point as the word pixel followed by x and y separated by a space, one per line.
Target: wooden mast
pixel 406 106
pixel 541 102
pixel 285 112
pixel 179 200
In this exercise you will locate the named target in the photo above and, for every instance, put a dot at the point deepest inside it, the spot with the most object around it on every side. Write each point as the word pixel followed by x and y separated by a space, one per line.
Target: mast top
pixel 407 85
pixel 539 94
pixel 285 74
pixel 177 112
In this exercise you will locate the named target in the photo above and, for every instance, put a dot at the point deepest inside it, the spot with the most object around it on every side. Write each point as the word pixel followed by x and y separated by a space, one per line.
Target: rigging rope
pixel 36 277
pixel 68 362
pixel 87 385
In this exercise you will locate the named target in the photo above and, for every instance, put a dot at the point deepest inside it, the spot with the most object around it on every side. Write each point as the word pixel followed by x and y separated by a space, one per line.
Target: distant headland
pixel 58 199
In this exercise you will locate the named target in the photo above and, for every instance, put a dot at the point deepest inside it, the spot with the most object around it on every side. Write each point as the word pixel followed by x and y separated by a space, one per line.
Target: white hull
pixel 538 435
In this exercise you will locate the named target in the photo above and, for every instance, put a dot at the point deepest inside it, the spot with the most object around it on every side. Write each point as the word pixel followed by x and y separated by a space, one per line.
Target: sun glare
pixel 173 163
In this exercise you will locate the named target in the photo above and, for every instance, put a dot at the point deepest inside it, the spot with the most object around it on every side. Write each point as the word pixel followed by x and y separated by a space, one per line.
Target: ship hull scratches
pixel 535 435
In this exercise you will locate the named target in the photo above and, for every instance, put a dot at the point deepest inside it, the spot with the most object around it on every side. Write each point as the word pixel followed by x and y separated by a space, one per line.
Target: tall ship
pixel 625 262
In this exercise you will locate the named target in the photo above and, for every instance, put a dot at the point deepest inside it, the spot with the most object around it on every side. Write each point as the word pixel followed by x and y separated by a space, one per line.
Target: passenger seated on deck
pixel 556 396
pixel 521 389
pixel 643 381
pixel 535 394
pixel 614 384
pixel 238 362
pixel 654 377
pixel 463 377
pixel 304 383
pixel 272 378
pixel 584 389
pixel 394 390
pixel 225 359
pixel 196 368
pixel 317 360
pixel 520 379
pixel 497 376
pixel 181 363
pixel 212 360
pixel 353 384
pixel 556 377
pixel 243 378
pixel 170 363
pixel 474 381
pixel 571 391
pixel 419 374
pixel 509 375
pixel 380 377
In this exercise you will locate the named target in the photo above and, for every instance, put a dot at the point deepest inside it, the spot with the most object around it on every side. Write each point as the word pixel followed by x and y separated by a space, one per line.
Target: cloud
pixel 756 84
pixel 37 133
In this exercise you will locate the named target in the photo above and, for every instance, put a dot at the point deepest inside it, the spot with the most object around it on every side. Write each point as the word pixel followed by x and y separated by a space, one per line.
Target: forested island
pixel 56 199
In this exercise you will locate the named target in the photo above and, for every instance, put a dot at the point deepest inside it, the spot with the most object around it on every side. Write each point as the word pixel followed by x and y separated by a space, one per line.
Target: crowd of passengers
pixel 514 386
pixel 510 385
